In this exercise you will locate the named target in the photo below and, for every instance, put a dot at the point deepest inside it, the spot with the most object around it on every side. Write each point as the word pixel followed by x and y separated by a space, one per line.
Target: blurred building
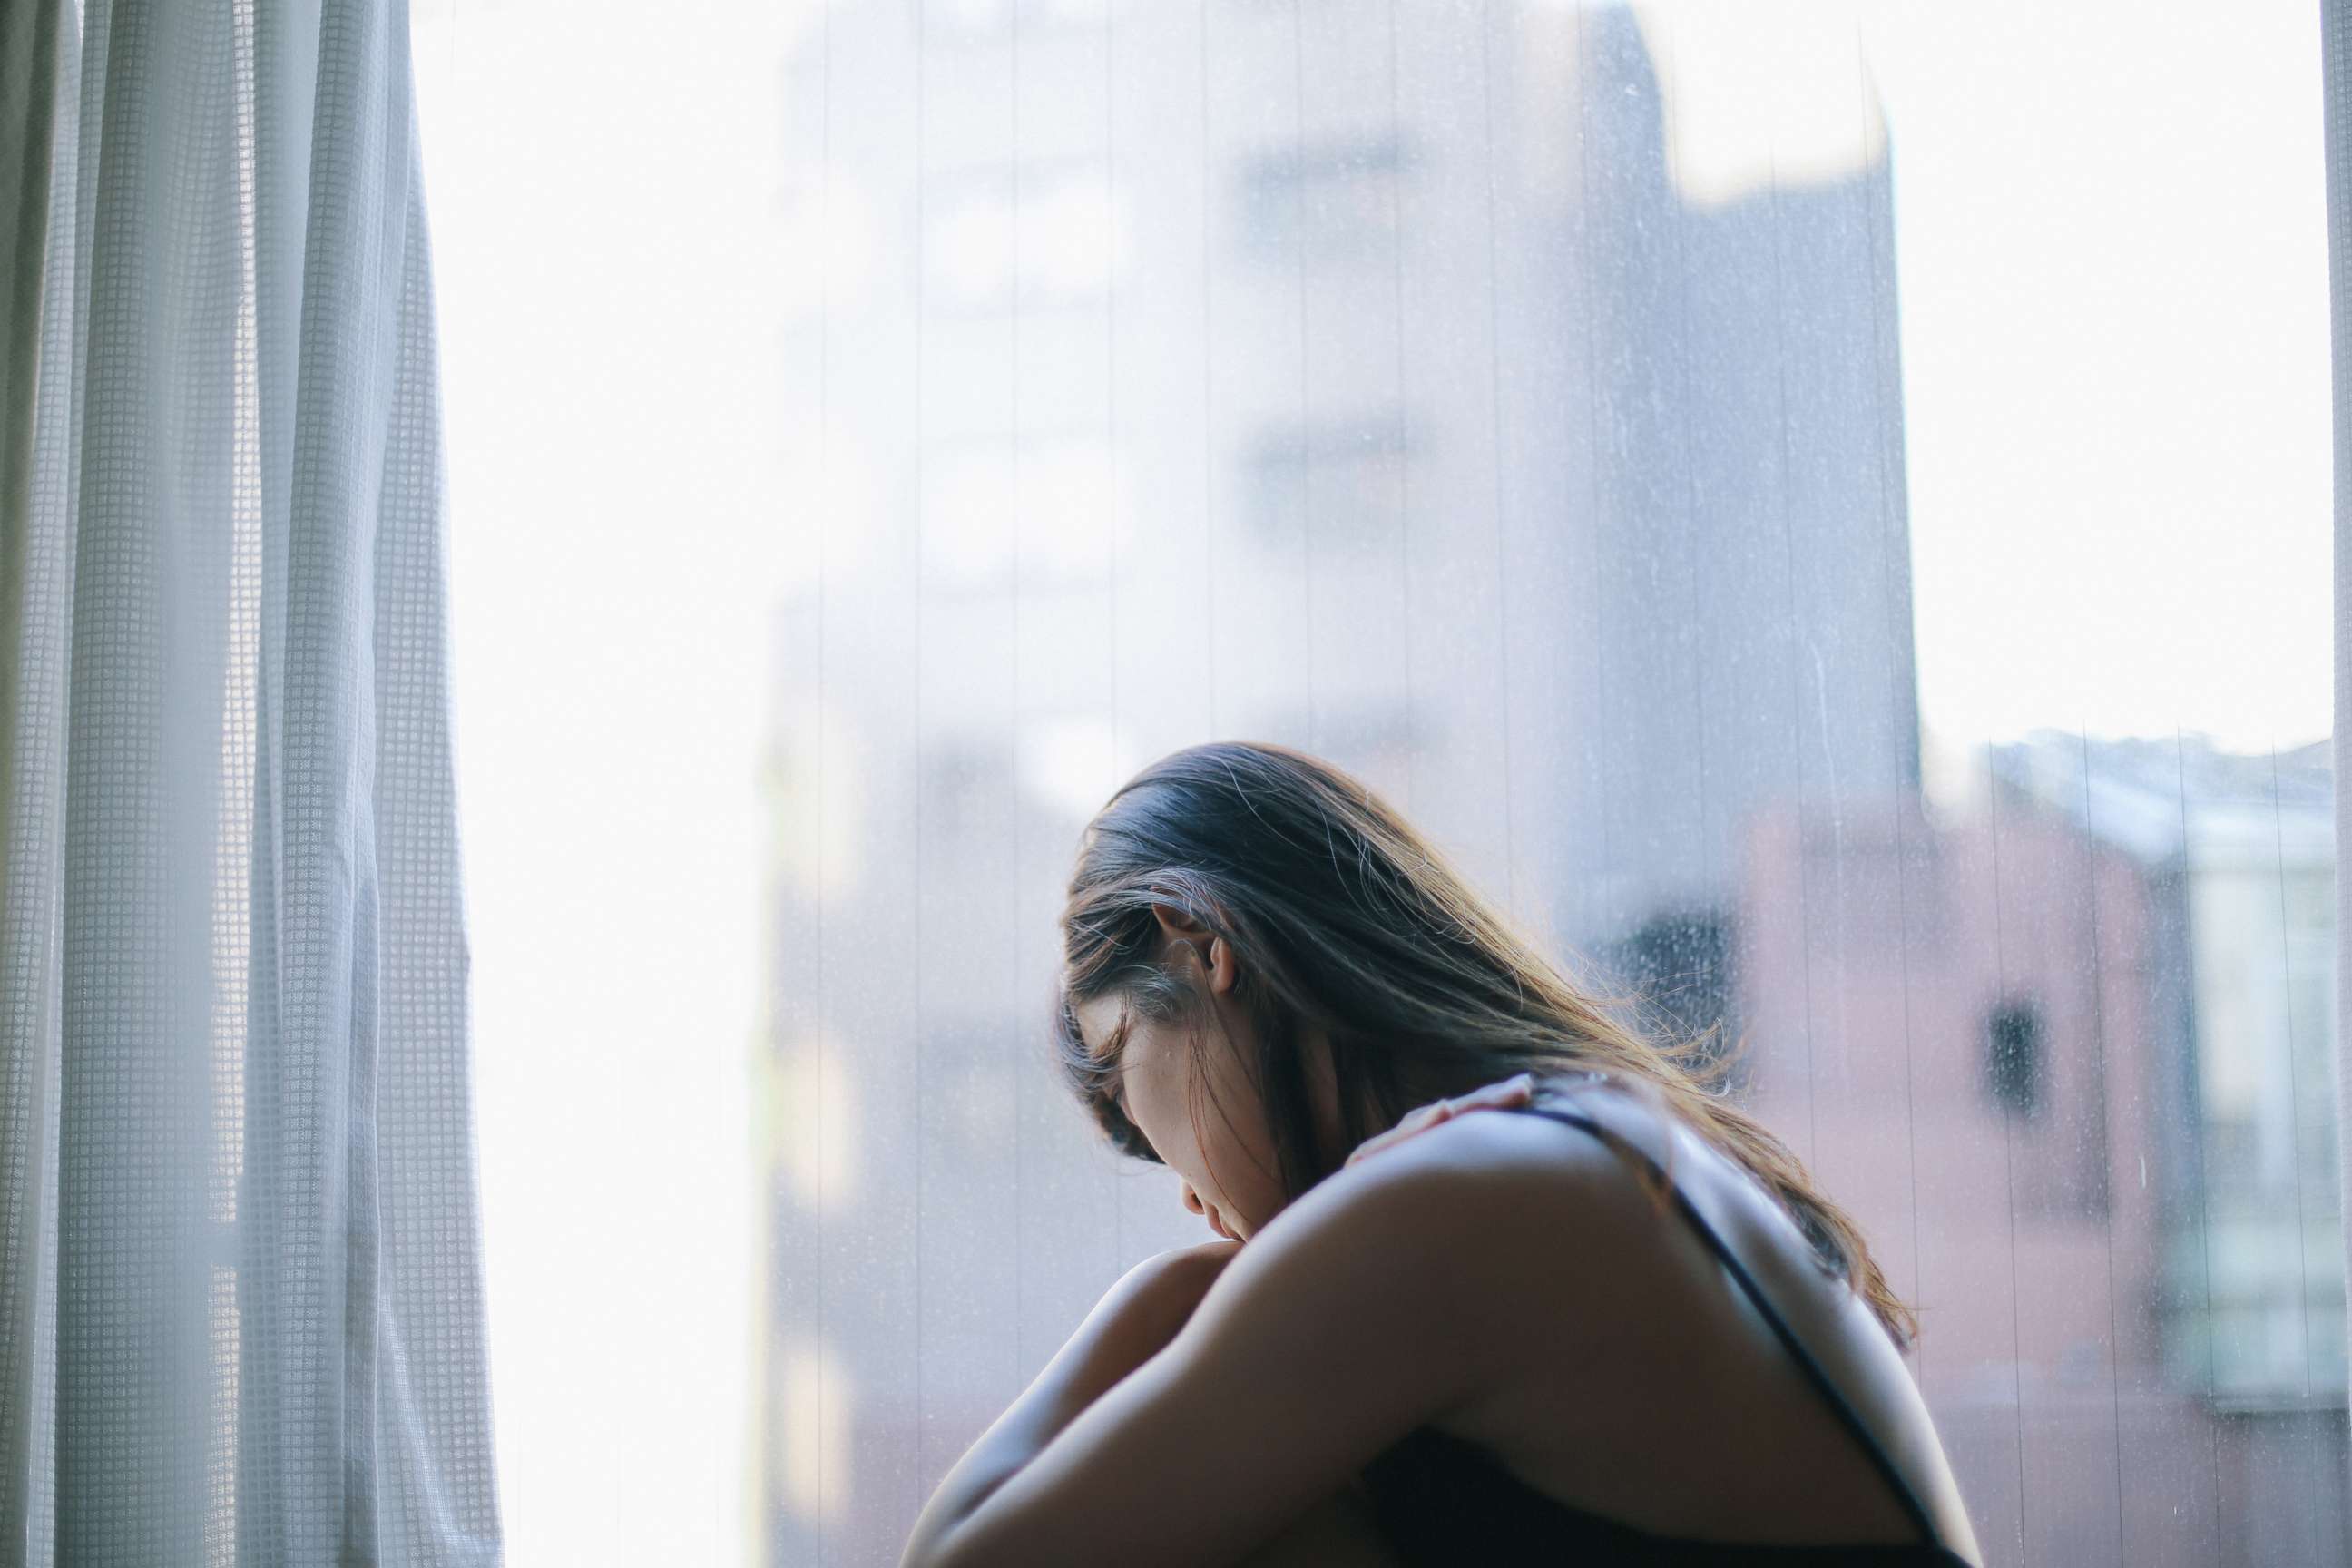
pixel 2238 859
pixel 2100 1157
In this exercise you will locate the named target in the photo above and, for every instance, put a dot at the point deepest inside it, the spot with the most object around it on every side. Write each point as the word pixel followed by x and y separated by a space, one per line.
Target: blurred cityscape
pixel 1414 411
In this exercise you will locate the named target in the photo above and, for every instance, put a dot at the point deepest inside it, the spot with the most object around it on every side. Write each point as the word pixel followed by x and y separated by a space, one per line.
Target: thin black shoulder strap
pixel 1763 1304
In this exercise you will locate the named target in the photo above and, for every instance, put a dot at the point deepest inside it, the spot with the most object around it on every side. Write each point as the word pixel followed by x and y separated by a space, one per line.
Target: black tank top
pixel 1443 1501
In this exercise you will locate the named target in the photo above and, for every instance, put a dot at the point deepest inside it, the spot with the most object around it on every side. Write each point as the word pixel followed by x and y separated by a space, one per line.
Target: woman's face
pixel 1231 1177
pixel 1227 1163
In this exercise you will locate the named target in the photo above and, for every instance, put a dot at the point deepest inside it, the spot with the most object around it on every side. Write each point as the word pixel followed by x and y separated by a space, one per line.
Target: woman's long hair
pixel 1341 915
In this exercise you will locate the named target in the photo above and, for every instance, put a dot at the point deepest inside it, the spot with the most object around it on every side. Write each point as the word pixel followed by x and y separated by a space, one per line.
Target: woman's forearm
pixel 1073 1380
pixel 1120 1335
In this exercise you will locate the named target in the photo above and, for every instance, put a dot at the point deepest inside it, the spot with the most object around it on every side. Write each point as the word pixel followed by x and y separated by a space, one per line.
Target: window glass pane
pixel 1822 509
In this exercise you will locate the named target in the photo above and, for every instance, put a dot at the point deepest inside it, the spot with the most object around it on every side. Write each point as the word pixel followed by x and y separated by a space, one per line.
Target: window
pixel 1845 563
pixel 2013 1057
pixel 1332 202
pixel 1348 475
pixel 1680 967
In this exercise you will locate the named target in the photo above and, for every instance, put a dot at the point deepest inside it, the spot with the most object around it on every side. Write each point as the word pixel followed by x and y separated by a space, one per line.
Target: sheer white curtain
pixel 2335 43
pixel 240 1296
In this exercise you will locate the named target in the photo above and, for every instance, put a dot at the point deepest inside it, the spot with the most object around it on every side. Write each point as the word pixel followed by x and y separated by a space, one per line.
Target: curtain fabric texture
pixel 2335 54
pixel 240 1293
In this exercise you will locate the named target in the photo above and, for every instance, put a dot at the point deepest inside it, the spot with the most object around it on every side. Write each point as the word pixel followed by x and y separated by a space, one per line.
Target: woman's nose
pixel 1192 1200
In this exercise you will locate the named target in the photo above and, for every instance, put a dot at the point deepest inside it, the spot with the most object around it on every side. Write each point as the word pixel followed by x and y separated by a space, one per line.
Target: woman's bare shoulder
pixel 1539 1204
pixel 1573 1240
pixel 1636 1315
pixel 1524 1160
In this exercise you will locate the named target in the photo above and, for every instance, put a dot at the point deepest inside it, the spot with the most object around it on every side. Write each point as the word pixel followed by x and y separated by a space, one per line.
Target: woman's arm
pixel 1135 1318
pixel 1365 1308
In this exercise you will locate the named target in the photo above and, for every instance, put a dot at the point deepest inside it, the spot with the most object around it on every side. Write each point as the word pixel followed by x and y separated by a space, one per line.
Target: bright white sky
pixel 2111 249
pixel 2111 232
pixel 2110 244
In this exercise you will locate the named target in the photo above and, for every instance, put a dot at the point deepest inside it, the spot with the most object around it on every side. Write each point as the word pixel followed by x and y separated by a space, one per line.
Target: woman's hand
pixel 1515 1090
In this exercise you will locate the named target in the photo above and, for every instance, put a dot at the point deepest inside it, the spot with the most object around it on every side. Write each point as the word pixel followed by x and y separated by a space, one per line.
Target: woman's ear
pixel 1214 952
pixel 1223 972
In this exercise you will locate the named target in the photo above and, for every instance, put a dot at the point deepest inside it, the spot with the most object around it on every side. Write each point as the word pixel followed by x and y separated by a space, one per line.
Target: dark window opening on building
pixel 2013 1057
pixel 1679 967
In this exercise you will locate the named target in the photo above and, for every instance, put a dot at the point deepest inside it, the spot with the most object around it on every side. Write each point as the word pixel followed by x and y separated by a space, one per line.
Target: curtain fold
pixel 242 1276
pixel 2335 54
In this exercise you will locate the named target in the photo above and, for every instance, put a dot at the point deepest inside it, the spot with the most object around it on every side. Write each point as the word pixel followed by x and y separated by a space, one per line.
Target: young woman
pixel 1619 1326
